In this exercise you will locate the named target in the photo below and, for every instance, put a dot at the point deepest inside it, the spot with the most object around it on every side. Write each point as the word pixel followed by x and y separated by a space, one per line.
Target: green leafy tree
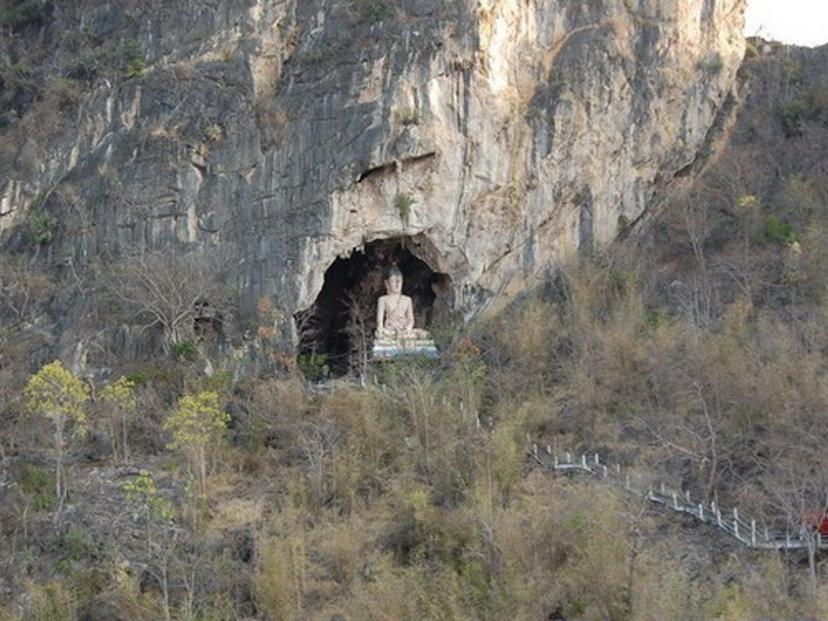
pixel 57 395
pixel 197 425
pixel 118 399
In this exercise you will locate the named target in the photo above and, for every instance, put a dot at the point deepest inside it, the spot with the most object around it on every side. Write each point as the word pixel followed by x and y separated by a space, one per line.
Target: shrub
pixel 791 115
pixel 130 59
pixel 42 228
pixel 792 69
pixel 18 86
pixel 712 65
pixel 136 68
pixel 77 546
pixel 504 460
pixel 658 317
pixel 812 106
pixel 408 116
pixel 776 231
pixel 279 578
pixel 314 366
pixel 368 452
pixel 815 261
pixel 374 10
pixel 20 13
pixel 800 199
pixel 341 551
pixel 184 349
pixel 38 484
pixel 403 204
pixel 157 509
pixel 64 92
pixel 53 601
pixel 624 226
pixel 520 360
pixel 139 377
pixel 213 132
pixel 419 530
pixel 534 112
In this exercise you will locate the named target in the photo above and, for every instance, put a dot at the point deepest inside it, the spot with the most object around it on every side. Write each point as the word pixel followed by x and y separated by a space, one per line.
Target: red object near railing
pixel 818 520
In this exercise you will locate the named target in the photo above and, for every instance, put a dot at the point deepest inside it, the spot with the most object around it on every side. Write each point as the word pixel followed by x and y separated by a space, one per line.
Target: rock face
pixel 295 131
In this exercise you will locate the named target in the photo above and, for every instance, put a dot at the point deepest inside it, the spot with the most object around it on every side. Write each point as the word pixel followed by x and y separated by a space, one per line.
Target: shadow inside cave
pixel 336 333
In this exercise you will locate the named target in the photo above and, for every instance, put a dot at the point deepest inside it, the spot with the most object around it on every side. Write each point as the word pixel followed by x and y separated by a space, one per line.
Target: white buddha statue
pixel 396 334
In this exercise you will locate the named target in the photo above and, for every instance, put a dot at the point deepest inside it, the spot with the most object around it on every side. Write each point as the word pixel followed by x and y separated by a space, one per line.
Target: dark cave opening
pixel 336 331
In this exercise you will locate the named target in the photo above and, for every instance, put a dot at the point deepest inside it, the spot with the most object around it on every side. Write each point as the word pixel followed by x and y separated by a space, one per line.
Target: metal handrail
pixel 745 531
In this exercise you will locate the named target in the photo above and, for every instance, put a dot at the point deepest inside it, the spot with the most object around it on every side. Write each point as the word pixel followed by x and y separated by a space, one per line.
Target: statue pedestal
pixel 394 349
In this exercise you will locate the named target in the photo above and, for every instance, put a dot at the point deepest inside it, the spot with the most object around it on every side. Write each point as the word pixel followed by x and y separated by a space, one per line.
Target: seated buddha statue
pixel 396 334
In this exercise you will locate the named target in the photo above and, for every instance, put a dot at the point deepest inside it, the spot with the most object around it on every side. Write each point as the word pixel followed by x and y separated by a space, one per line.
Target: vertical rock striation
pixel 290 130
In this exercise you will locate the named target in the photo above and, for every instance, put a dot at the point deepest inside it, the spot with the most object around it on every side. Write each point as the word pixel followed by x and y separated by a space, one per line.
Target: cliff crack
pixel 396 165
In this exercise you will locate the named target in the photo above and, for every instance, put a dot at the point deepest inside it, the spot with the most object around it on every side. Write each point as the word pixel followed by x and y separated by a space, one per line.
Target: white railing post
pixel 661 495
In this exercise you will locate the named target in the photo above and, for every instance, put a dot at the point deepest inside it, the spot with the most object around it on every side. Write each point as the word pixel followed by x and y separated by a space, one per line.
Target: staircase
pixel 744 530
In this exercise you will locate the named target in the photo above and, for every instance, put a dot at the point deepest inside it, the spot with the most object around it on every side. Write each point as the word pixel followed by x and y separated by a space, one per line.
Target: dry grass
pixel 235 514
pixel 279 579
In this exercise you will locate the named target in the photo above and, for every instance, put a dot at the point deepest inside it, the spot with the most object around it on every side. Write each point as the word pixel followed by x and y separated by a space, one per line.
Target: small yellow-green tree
pixel 197 425
pixel 158 513
pixel 57 395
pixel 142 490
pixel 118 400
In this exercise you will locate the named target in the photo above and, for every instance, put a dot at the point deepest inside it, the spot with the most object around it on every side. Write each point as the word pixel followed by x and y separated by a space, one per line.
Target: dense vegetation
pixel 694 349
pixel 703 362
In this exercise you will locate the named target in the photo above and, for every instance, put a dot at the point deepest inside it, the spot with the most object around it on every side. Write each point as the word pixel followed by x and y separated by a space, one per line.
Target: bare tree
pixel 23 288
pixel 170 291
pixel 796 478
pixel 698 295
pixel 360 335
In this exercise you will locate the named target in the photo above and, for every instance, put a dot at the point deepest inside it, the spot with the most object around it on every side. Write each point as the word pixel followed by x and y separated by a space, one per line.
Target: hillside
pixel 215 468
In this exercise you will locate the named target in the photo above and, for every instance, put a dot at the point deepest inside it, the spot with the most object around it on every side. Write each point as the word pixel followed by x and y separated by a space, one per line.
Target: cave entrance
pixel 336 333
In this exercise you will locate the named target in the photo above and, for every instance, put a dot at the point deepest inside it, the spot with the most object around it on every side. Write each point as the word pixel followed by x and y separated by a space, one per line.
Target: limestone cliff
pixel 498 135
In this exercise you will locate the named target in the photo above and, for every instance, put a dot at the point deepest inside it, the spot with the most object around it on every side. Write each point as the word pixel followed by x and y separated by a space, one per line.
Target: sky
pixel 802 22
